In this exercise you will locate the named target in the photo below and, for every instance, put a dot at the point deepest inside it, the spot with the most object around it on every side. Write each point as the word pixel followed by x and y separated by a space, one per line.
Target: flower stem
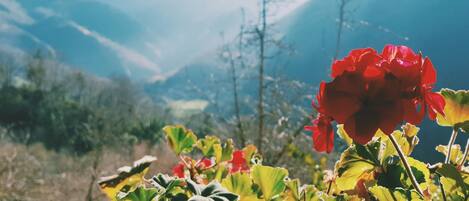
pixel 450 145
pixel 466 152
pixel 410 174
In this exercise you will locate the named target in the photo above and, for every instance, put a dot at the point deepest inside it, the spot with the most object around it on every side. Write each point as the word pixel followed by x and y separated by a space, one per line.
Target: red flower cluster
pixel 238 162
pixel 372 91
pixel 202 164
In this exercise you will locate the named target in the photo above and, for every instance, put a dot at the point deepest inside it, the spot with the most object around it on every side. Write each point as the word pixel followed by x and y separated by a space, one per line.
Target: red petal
pixel 435 103
pixel 391 52
pixel 323 136
pixel 410 112
pixel 340 66
pixel 429 72
pixel 238 162
pixel 178 170
pixel 362 127
pixel 341 97
pixel 205 163
pixel 391 116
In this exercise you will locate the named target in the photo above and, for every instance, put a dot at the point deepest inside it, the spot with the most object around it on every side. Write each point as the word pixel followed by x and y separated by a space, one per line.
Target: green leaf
pixel 224 152
pixel 180 139
pixel 270 180
pixel 167 186
pixel 214 191
pixel 354 162
pixel 448 173
pixel 206 145
pixel 456 109
pixel 407 140
pixel 140 194
pixel 456 153
pixel 294 188
pixel 398 194
pixel 342 134
pixel 240 184
pixel 395 176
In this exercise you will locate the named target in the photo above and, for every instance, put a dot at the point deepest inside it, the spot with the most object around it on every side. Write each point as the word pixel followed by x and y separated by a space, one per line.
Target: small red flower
pixel 323 135
pixel 372 91
pixel 238 162
pixel 204 163
pixel 178 170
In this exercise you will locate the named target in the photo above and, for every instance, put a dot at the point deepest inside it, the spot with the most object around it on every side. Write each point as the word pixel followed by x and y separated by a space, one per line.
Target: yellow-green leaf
pixel 456 109
pixel 224 152
pixel 354 162
pixel 452 180
pixel 180 139
pixel 270 180
pixel 206 145
pixel 128 177
pixel 456 153
pixel 343 134
pixel 385 194
pixel 410 130
pixel 293 192
pixel 240 184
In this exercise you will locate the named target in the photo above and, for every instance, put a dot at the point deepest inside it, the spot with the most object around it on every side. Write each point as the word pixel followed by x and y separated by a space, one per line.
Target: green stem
pixel 466 152
pixel 329 188
pixel 407 167
pixel 450 145
pixel 443 193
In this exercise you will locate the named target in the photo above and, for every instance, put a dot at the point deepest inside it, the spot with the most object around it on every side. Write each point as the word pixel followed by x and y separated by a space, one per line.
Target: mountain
pixel 88 35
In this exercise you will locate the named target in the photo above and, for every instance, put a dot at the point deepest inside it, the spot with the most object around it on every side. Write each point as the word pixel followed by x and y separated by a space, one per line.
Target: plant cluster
pixel 369 96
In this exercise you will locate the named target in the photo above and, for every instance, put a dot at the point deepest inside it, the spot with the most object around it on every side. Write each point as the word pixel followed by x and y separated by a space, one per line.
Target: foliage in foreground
pixel 371 172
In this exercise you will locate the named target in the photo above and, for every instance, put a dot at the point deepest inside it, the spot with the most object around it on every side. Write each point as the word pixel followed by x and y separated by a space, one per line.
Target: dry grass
pixel 29 173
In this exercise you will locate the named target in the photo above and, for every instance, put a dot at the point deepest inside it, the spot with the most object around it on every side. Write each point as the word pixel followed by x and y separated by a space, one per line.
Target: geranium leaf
pixel 240 184
pixel 395 176
pixel 207 145
pixel 450 172
pixel 180 139
pixel 456 153
pixel 141 194
pixel 293 187
pixel 128 177
pixel 270 180
pixel 354 162
pixel 214 191
pixel 224 152
pixel 249 152
pixel 456 109
pixel 343 134
pixel 398 194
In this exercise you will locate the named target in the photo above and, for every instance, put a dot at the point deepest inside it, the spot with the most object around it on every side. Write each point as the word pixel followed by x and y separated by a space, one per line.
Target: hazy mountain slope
pixel 88 35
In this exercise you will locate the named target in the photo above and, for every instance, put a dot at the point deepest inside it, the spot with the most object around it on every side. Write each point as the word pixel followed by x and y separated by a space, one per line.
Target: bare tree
pixel 234 59
pixel 261 33
pixel 342 11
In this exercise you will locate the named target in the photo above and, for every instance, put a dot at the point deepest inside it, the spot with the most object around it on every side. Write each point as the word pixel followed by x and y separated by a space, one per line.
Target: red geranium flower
pixel 238 162
pixel 178 170
pixel 372 91
pixel 204 163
